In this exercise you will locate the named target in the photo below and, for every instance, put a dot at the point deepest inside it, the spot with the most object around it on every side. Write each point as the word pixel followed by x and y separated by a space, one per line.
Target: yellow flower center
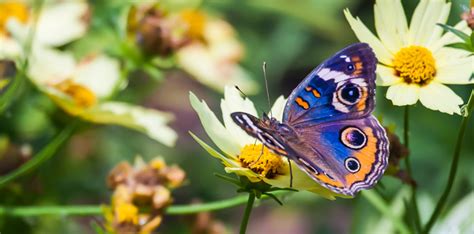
pixel 261 160
pixel 195 21
pixel 9 10
pixel 415 64
pixel 126 213
pixel 83 97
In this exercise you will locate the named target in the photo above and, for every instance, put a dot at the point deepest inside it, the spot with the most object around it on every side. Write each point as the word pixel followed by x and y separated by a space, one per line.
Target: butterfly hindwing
pixel 342 87
pixel 347 155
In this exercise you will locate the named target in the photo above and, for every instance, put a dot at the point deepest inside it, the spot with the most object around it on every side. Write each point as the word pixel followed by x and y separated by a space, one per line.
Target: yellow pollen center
pixel 415 64
pixel 261 160
pixel 81 95
pixel 126 213
pixel 10 10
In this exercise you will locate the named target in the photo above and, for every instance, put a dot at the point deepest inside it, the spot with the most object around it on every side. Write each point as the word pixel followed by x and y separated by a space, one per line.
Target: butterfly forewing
pixel 342 87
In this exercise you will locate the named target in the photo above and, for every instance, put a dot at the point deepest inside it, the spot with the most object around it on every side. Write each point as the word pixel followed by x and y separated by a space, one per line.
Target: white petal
pixel 213 127
pixel 453 67
pixel 9 49
pixel 423 28
pixel 439 97
pixel 364 35
pixel 61 23
pixel 386 76
pixel 449 37
pixel 403 94
pixel 100 74
pixel 233 102
pixel 149 121
pixel 459 218
pixel 49 66
pixel 391 24
pixel 278 108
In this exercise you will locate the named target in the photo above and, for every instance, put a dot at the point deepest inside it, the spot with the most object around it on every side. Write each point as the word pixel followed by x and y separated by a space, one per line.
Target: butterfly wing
pixel 260 130
pixel 342 87
pixel 350 155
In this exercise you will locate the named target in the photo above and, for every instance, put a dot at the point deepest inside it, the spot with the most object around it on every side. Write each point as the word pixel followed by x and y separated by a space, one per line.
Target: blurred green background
pixel 292 37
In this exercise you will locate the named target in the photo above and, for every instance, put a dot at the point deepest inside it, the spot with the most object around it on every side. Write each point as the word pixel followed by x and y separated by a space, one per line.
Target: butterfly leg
pixel 291 173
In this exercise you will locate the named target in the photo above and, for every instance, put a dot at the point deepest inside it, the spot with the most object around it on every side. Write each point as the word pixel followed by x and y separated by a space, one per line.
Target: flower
pixel 414 61
pixel 241 154
pixel 204 46
pixel 141 194
pixel 214 58
pixel 83 89
pixel 60 22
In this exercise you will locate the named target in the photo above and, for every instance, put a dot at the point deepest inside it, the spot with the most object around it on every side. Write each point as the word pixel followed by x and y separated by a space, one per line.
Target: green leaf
pixel 472 38
pixel 458 33
pixel 460 45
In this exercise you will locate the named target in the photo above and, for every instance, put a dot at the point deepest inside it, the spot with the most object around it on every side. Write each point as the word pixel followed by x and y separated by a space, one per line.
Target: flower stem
pixel 46 153
pixel 88 210
pixel 248 210
pixel 380 205
pixel 454 165
pixel 406 141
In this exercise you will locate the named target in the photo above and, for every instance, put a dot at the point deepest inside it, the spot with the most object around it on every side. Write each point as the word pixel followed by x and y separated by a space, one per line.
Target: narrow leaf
pixel 458 33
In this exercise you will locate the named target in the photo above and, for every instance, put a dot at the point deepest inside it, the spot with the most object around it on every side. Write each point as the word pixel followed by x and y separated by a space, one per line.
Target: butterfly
pixel 328 129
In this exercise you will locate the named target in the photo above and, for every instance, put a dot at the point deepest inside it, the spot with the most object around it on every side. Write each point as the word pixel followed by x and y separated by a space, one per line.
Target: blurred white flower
pixel 413 60
pixel 82 89
pixel 206 47
pixel 213 56
pixel 241 154
pixel 59 22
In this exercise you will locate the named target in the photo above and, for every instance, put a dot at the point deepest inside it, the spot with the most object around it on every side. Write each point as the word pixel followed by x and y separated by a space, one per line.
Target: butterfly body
pixel 327 127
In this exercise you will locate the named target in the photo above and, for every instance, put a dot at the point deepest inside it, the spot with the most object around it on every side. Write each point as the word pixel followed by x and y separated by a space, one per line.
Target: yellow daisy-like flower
pixel 83 88
pixel 60 22
pixel 240 152
pixel 414 61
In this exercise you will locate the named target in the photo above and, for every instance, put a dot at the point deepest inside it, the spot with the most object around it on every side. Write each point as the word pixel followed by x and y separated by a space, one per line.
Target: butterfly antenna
pixel 241 92
pixel 264 67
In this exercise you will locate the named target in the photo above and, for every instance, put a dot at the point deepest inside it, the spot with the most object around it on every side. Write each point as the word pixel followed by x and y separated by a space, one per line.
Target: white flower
pixel 60 22
pixel 241 155
pixel 412 59
pixel 83 88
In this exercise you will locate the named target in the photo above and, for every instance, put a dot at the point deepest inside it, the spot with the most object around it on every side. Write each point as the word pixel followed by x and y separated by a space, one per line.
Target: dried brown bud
pixel 468 16
pixel 119 175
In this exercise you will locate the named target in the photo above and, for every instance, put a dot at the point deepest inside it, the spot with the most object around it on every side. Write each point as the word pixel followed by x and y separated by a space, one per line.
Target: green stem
pixel 46 153
pixel 384 208
pixel 406 141
pixel 248 210
pixel 454 165
pixel 88 210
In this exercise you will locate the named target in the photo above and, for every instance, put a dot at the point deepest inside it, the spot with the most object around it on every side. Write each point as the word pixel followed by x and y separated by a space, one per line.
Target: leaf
pixel 472 38
pixel 458 33
pixel 460 45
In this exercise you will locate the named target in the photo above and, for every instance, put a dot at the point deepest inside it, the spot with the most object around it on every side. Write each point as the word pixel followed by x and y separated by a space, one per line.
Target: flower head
pixel 60 22
pixel 414 61
pixel 83 89
pixel 141 194
pixel 240 152
pixel 204 46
